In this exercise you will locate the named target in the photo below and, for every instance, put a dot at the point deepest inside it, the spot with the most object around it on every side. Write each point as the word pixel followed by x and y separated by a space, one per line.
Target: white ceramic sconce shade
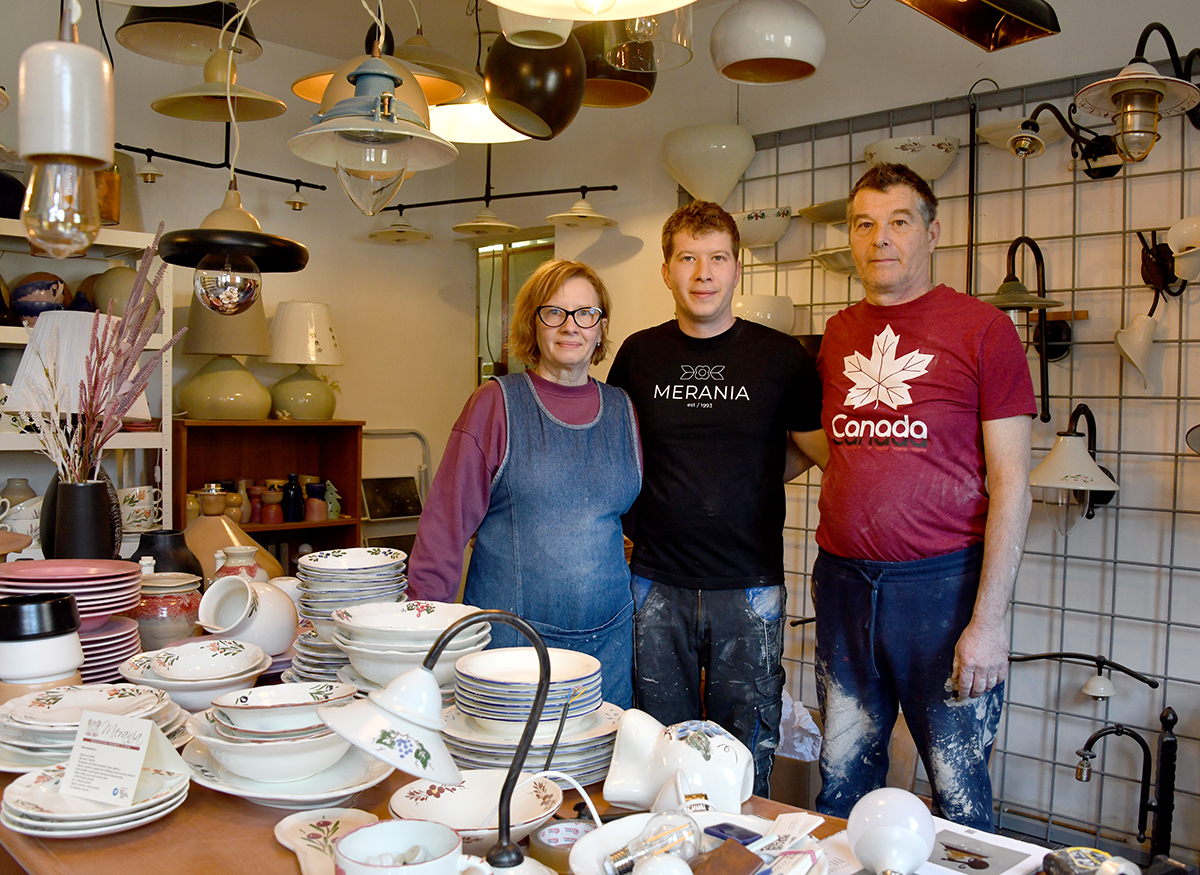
pixel 708 160
pixel 767 42
pixel 1135 342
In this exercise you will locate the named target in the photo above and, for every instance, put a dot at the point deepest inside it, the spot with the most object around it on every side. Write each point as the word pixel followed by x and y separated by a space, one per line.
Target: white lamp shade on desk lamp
pixel 223 388
pixel 302 334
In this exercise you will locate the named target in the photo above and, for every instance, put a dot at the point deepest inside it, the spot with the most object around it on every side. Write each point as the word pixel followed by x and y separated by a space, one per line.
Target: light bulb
pixel 642 29
pixel 1063 508
pixel 1137 124
pixel 227 284
pixel 371 170
pixel 595 7
pixel 61 211
pixel 671 832
pixel 890 831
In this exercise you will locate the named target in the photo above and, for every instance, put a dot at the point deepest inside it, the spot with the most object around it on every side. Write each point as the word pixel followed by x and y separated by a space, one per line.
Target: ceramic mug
pixel 381 849
pixel 141 507
pixel 3 507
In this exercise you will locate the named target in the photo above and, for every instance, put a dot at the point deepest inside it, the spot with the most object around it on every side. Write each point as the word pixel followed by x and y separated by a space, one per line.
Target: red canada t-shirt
pixel 906 389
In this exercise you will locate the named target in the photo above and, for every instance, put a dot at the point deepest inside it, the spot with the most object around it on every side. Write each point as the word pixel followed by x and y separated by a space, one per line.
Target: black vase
pixel 293 500
pixel 170 552
pixel 82 527
pixel 48 522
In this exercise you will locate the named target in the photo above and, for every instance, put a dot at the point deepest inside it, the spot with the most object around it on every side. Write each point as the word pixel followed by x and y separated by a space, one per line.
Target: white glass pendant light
pixel 372 139
pixel 589 10
pixel 65 123
pixel 767 42
pixel 1072 484
pixel 471 121
pixel 486 222
pixel 530 32
pixel 401 230
pixel 708 160
pixel 581 215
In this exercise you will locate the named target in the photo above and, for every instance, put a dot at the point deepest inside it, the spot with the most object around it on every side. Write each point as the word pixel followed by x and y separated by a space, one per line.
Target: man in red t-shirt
pixel 924 503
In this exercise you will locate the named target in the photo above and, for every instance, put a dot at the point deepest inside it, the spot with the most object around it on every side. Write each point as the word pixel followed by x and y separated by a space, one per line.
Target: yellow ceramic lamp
pixel 224 388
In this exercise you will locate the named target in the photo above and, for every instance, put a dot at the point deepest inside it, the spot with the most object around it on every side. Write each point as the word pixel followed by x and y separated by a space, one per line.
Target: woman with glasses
pixel 539 467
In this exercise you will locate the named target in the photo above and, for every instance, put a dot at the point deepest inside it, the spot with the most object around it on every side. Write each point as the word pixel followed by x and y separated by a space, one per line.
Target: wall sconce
pixel 1013 296
pixel 1096 151
pixel 1138 96
pixel 1098 686
pixel 65 123
pixel 1072 484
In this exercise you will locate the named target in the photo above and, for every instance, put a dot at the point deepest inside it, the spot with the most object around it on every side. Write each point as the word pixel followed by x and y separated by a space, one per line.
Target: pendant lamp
pixel 606 85
pixel 581 215
pixel 207 102
pixel 650 43
pixel 302 334
pixel 471 121
pixel 536 92
pixel 408 91
pixel 184 34
pixel 767 42
pixel 708 160
pixel 400 231
pixel 486 222
pixel 530 32
pixel 372 139
pixel 588 10
pixel 992 24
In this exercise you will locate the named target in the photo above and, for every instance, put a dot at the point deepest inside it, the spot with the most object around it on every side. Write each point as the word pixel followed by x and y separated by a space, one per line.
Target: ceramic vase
pixel 169 550
pixel 243 490
pixel 16 490
pixel 293 500
pixel 243 562
pixel 315 508
pixel 81 540
pixel 167 614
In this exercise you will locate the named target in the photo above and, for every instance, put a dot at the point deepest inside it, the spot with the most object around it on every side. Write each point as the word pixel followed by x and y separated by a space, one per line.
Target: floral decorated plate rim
pixel 106 829
pixel 207 660
pixel 138 668
pixel 37 793
pixel 352 559
pixel 66 704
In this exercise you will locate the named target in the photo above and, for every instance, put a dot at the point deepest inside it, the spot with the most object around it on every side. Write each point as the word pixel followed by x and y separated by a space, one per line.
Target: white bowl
pixel 759 228
pixel 517 667
pixel 928 155
pixel 29 509
pixel 220 658
pixel 838 260
pixel 382 667
pixel 352 559
pixel 189 695
pixel 453 651
pixel 411 620
pixel 272 762
pixel 281 707
pixel 469 808
pixel 36 660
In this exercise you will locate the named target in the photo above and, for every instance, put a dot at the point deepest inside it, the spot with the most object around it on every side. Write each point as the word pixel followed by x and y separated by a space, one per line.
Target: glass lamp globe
pixel 227 284
pixel 890 831
pixel 1064 508
pixel 61 211
pixel 371 171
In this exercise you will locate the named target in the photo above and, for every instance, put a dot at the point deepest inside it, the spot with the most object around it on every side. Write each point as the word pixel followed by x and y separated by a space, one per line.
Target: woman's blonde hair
pixel 540 288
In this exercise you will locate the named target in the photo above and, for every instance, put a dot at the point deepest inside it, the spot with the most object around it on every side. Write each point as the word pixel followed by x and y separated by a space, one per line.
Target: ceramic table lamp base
pixel 303 395
pixel 224 389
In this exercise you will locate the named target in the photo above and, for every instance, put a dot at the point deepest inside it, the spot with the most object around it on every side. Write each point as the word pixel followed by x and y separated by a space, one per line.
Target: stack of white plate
pixel 33 805
pixel 315 660
pixel 196 672
pixel 38 729
pixel 102 587
pixel 494 691
pixel 332 579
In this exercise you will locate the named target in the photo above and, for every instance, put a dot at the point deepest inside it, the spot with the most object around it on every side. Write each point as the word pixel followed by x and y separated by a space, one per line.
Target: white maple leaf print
pixel 883 377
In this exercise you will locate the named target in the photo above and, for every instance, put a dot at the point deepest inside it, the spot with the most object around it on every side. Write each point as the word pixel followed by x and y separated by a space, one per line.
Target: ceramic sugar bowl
pixel 647 755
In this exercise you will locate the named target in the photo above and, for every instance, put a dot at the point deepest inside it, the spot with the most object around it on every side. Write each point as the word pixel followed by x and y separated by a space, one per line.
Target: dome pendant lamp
pixel 183 34
pixel 609 86
pixel 535 91
pixel 767 42
pixel 207 102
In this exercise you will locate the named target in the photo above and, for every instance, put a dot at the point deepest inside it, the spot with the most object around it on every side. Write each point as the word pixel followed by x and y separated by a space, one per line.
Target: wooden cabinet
pixel 209 450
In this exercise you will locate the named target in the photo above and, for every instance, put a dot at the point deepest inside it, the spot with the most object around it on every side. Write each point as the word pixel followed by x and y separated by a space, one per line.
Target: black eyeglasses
pixel 585 317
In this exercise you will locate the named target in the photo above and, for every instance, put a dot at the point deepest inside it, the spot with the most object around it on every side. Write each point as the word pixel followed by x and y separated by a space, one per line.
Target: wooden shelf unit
pixel 210 450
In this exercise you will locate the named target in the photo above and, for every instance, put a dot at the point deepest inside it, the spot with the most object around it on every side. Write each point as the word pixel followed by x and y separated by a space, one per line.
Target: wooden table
pixel 217 834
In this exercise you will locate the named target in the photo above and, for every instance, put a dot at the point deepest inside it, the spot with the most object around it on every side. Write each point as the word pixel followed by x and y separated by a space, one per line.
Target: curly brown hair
pixel 885 177
pixel 698 219
pixel 540 288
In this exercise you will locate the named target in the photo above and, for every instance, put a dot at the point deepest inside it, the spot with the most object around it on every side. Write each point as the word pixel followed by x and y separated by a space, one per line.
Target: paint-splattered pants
pixel 886 633
pixel 713 654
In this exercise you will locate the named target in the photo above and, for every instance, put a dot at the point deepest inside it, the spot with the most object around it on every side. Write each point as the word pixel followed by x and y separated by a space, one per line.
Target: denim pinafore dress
pixel 550 548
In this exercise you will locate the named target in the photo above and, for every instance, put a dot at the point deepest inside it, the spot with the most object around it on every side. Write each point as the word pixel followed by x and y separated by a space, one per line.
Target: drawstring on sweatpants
pixel 873 582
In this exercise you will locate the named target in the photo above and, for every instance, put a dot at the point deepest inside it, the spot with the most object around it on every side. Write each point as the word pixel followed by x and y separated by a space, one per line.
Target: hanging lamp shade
pixel 992 24
pixel 408 91
pixel 486 222
pixel 1069 465
pixel 471 121
pixel 184 34
pixel 400 231
pixel 708 160
pixel 581 215
pixel 609 86
pixel 530 32
pixel 535 91
pixel 588 10
pixel 767 42
pixel 207 102
pixel 650 43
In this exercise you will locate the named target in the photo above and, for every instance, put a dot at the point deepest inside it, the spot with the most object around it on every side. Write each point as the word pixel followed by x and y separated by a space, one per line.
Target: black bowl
pixel 43 615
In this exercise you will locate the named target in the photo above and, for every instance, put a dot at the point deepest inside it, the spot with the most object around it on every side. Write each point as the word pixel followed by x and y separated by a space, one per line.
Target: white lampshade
pixel 581 215
pixel 208 102
pixel 471 121
pixel 65 103
pixel 588 10
pixel 767 42
pixel 486 222
pixel 1069 465
pixel 60 339
pixel 708 160
pixel 1098 687
pixel 890 830
pixel 1135 342
pixel 302 334
pixel 401 230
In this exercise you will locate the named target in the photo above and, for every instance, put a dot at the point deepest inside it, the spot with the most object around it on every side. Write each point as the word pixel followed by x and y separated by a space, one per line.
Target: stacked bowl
pixel 383 640
pixel 197 672
pixel 333 579
pixel 493 694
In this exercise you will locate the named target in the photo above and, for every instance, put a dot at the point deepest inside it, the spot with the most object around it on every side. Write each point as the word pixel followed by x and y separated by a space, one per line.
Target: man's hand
pixel 980 659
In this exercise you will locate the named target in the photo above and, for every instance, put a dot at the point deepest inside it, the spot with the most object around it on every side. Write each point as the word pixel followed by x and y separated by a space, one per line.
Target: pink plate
pixel 115 628
pixel 44 583
pixel 67 569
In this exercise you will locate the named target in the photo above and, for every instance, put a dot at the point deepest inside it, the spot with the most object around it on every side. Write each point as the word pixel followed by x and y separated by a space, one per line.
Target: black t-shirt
pixel 714 415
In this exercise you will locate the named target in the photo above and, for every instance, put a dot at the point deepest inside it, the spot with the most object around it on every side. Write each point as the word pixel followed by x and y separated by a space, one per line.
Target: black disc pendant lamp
pixel 607 85
pixel 537 92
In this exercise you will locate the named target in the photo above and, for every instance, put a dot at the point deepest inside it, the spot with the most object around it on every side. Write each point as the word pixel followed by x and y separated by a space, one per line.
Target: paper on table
pixel 788 829
pixel 109 755
pixel 956 848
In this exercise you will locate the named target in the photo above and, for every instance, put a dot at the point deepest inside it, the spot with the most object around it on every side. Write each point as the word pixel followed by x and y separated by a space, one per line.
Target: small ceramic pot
pixel 256 502
pixel 169 609
pixel 250 610
pixel 242 561
pixel 272 507
pixel 16 490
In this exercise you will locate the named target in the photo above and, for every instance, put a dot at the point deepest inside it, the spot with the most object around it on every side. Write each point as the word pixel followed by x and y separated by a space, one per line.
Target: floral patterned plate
pixel 310 835
pixel 62 706
pixel 93 828
pixel 352 559
pixel 207 660
pixel 37 793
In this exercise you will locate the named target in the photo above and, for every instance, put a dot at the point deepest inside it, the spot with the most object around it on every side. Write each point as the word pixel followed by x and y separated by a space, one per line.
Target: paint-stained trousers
pixel 735 637
pixel 886 633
